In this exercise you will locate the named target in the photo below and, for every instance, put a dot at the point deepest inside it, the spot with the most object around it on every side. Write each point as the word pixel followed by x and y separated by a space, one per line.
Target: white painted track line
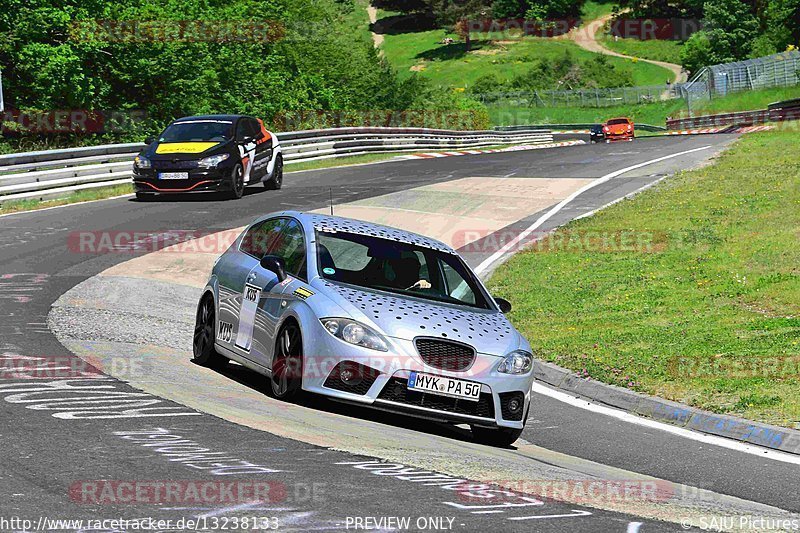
pixel 559 206
pixel 675 430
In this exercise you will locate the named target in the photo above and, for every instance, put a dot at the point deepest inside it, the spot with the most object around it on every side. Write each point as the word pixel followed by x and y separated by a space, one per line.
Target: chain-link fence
pixel 778 70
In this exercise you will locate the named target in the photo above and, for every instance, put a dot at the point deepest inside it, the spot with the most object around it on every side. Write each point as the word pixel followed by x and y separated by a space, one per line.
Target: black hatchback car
pixel 596 134
pixel 209 153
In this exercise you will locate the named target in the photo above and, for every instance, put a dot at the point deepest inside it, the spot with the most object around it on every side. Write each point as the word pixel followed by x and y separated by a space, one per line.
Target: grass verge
pixel 689 291
pixel 451 65
pixel 100 193
pixel 654 49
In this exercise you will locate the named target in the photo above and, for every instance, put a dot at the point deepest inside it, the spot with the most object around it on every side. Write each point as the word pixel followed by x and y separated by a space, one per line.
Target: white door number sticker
pixel 247 316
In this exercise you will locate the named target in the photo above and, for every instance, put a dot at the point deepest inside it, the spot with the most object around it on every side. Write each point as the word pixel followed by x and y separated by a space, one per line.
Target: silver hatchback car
pixel 368 314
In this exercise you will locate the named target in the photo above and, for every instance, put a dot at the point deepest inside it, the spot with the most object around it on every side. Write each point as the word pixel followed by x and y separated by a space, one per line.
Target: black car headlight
pixel 212 161
pixel 355 333
pixel 142 162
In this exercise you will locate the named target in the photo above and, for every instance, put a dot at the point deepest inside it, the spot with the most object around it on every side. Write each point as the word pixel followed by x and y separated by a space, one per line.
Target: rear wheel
pixel 276 181
pixel 287 363
pixel 205 334
pixel 237 182
pixel 500 437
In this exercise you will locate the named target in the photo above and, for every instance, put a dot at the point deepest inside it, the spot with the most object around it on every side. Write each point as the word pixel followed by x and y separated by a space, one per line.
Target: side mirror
pixel 274 264
pixel 149 140
pixel 503 304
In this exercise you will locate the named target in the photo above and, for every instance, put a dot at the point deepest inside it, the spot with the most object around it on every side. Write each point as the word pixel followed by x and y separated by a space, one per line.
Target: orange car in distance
pixel 619 129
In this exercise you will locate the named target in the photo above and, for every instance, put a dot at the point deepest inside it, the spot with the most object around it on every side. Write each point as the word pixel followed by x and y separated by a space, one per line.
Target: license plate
pixel 443 386
pixel 173 175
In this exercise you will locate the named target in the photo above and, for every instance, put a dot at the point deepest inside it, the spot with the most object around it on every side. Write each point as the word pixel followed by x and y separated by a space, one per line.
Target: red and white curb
pixel 432 155
pixel 726 129
pixel 695 131
pixel 751 129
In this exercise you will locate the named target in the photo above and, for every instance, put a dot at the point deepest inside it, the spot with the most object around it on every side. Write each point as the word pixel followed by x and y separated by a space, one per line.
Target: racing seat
pixel 404 272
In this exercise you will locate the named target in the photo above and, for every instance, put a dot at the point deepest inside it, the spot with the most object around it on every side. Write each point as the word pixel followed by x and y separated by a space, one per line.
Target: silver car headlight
pixel 355 333
pixel 517 362
pixel 141 161
pixel 212 161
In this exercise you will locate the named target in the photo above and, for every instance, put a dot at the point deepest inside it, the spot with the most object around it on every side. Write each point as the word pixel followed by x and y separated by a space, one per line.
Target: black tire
pixel 287 363
pixel 499 437
pixel 205 334
pixel 276 181
pixel 237 182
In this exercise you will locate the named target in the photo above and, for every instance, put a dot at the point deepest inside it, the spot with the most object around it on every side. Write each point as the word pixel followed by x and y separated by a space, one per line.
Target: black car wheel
pixel 287 363
pixel 500 437
pixel 205 334
pixel 275 182
pixel 237 182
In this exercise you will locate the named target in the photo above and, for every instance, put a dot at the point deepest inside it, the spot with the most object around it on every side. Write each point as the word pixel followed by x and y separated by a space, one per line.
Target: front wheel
pixel 500 437
pixel 287 364
pixel 204 336
pixel 237 182
pixel 276 181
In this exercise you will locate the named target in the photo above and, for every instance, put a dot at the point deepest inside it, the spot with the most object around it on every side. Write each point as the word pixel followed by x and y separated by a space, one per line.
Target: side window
pixel 255 128
pixel 261 237
pixel 457 287
pixel 242 129
pixel 291 247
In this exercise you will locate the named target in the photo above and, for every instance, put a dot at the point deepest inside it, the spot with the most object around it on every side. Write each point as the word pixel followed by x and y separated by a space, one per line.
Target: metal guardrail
pixel 775 112
pixel 578 126
pixel 53 173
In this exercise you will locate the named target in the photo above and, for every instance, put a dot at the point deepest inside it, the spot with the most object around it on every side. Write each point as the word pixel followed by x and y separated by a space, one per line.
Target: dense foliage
pixel 561 73
pixel 732 29
pixel 66 54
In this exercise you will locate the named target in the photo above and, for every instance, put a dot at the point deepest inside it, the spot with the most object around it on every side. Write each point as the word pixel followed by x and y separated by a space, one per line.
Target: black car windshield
pixel 616 121
pixel 198 130
pixel 386 265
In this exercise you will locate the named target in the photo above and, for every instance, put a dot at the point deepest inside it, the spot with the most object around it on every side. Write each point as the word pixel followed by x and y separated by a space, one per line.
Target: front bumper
pixel 627 136
pixel 384 382
pixel 200 180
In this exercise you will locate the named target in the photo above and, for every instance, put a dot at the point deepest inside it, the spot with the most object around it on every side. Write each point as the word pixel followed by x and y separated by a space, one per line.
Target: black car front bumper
pixel 200 180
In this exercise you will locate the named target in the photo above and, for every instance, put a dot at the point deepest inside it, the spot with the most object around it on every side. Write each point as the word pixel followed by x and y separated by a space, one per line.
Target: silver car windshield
pixel 392 266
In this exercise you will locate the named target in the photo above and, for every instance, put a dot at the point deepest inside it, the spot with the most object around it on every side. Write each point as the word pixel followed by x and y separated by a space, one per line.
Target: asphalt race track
pixel 59 454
